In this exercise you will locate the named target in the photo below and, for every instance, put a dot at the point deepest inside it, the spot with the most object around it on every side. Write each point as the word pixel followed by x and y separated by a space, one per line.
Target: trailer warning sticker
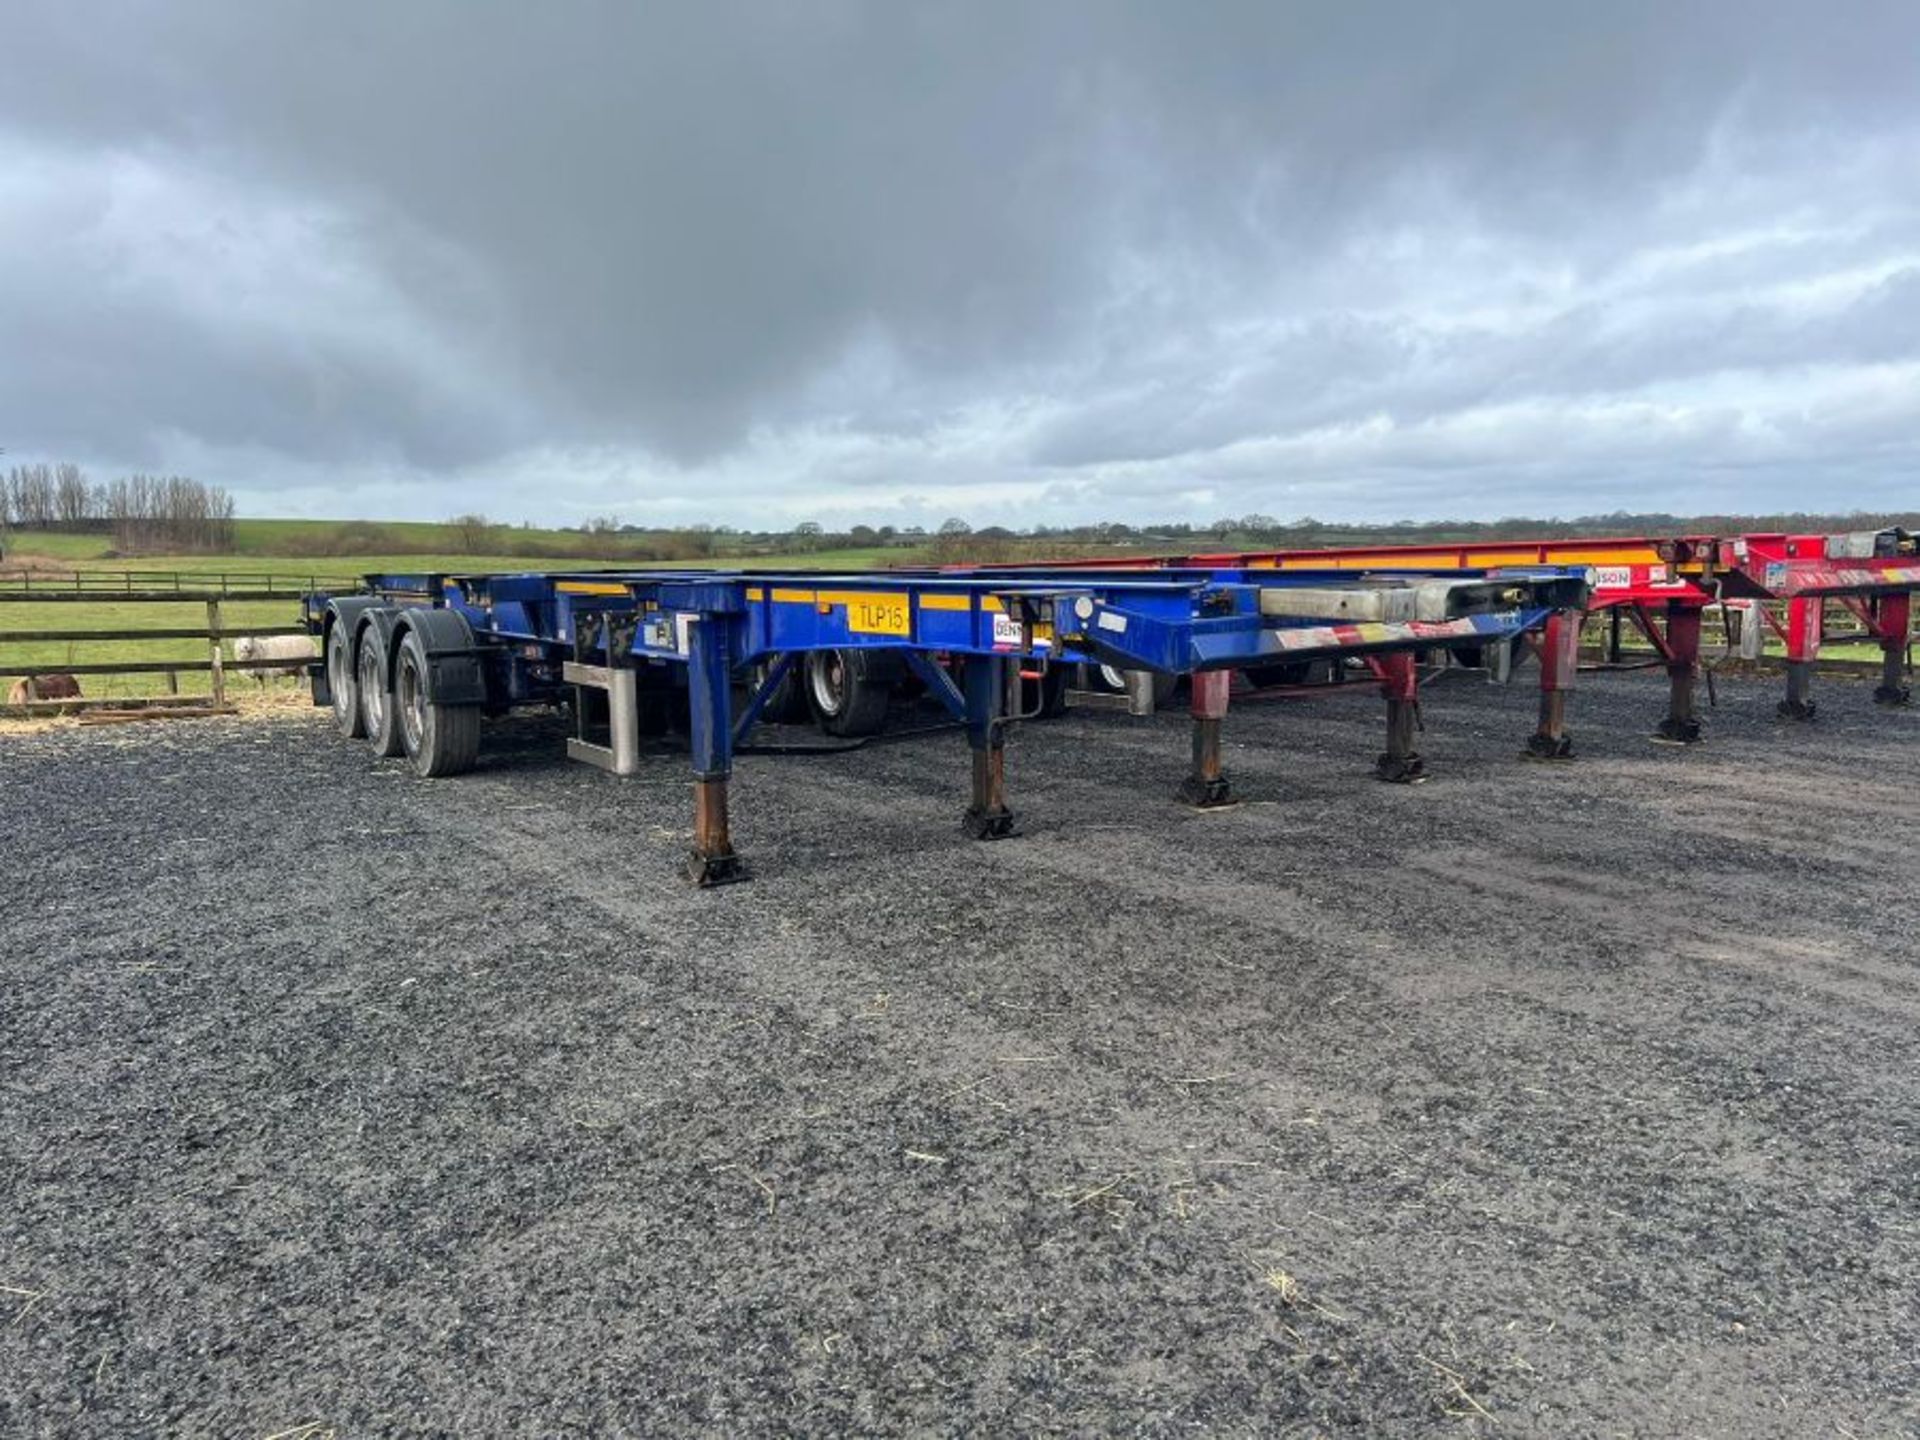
pixel 1006 630
pixel 877 615
pixel 666 632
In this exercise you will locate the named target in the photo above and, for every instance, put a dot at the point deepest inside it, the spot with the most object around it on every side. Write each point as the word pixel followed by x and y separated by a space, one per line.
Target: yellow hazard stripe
pixel 589 587
pixel 942 601
pixel 934 601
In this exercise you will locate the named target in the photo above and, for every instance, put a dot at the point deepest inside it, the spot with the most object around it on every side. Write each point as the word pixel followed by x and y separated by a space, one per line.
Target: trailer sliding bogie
pixel 410 680
pixel 438 652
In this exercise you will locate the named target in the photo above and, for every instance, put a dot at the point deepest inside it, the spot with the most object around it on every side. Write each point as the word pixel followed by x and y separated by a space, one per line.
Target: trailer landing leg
pixel 1806 617
pixel 1206 787
pixel 713 861
pixel 1892 625
pixel 1400 764
pixel 1559 654
pixel 709 703
pixel 1682 723
pixel 987 817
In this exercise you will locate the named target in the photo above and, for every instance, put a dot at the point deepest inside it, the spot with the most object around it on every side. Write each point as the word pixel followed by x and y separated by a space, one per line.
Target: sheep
pixel 296 650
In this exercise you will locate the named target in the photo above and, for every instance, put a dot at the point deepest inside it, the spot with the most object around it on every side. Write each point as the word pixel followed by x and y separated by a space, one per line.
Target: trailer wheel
pixel 848 692
pixel 788 702
pixel 439 739
pixel 377 716
pixel 340 680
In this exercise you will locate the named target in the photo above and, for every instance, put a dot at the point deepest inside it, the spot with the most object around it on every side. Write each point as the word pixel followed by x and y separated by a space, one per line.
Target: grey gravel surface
pixel 1535 1100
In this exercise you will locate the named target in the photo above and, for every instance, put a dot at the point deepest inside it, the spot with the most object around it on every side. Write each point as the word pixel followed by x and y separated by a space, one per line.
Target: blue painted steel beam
pixel 1171 621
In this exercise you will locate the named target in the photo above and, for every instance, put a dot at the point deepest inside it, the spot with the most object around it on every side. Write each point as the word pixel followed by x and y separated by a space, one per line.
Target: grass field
pixel 255 557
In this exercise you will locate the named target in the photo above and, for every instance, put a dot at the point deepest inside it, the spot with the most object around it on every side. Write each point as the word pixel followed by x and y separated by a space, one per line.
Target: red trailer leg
pixel 1400 683
pixel 1892 626
pixel 1559 661
pixel 1206 785
pixel 1682 725
pixel 1806 614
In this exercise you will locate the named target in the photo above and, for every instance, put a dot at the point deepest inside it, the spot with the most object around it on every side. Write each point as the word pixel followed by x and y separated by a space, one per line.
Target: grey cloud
pixel 873 251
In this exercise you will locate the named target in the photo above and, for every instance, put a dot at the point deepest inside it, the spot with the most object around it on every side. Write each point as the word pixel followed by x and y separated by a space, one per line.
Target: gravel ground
pixel 1536 1100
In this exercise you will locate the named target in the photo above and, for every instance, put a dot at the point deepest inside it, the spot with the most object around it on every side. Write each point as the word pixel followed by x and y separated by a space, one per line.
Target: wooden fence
pixel 104 585
pixel 213 635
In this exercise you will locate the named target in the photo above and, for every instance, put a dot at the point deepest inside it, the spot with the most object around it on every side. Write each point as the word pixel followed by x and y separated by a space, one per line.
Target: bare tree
pixel 72 500
pixel 33 496
pixel 148 513
pixel 470 532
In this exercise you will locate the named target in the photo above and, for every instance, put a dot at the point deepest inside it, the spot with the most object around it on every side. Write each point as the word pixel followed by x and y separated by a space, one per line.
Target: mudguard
pixel 456 669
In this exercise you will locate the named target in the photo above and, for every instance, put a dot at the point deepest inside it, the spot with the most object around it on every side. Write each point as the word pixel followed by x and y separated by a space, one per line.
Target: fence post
pixel 219 675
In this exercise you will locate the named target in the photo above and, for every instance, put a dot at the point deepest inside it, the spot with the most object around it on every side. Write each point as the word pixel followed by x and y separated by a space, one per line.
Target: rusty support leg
pixel 709 708
pixel 1892 625
pixel 1806 616
pixel 1400 764
pixel 1206 787
pixel 1559 657
pixel 714 861
pixel 1682 723
pixel 985 683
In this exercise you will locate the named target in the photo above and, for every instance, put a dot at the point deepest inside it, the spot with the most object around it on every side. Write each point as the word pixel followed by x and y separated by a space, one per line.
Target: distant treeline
pixel 151 515
pixel 476 535
pixel 956 541
pixel 145 514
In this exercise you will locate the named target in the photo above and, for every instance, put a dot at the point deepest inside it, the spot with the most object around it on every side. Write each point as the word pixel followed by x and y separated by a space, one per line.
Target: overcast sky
pixel 1026 262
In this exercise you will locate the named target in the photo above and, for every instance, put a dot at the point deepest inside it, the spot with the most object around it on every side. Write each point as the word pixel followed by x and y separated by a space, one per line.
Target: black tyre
pixel 788 702
pixel 377 716
pixel 342 682
pixel 439 739
pixel 847 691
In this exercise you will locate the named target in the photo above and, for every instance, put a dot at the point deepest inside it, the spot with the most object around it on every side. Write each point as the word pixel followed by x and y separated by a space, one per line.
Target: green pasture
pixel 253 559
